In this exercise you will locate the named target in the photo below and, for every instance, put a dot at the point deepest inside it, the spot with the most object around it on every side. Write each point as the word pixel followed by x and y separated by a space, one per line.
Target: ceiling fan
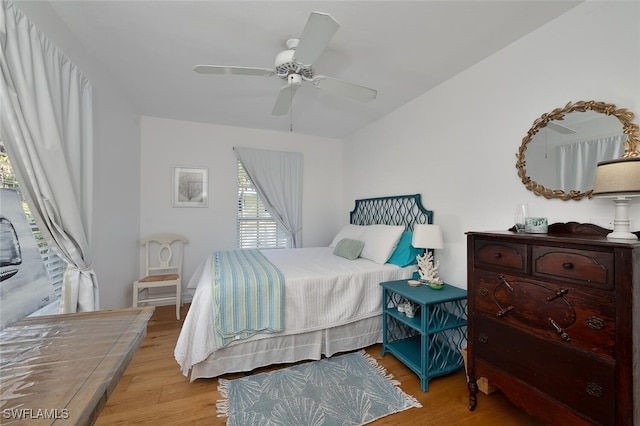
pixel 295 65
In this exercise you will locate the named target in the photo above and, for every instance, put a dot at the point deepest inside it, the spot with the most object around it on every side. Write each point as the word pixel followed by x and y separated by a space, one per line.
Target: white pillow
pixel 380 241
pixel 352 232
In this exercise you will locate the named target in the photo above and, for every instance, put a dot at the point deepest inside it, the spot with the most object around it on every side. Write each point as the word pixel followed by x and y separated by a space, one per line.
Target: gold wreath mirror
pixel 599 123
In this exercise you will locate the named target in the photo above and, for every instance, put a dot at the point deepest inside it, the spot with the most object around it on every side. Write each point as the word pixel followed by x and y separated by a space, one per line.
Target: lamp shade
pixel 427 237
pixel 619 177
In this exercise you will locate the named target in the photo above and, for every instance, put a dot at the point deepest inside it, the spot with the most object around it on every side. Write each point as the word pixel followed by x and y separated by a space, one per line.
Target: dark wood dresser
pixel 554 322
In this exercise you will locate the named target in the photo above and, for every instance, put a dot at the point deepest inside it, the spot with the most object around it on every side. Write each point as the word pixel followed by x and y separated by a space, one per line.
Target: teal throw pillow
pixel 348 248
pixel 405 254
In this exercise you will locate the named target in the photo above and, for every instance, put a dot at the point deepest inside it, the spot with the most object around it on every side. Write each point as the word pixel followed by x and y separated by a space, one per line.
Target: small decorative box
pixel 536 225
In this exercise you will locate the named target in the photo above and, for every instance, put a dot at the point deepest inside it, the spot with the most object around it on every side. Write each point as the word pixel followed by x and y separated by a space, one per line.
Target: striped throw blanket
pixel 248 295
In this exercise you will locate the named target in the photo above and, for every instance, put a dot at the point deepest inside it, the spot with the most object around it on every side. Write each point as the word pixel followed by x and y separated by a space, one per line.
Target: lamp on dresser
pixel 619 179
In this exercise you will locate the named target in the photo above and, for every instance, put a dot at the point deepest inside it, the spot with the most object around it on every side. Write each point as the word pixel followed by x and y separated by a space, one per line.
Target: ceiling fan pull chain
pixel 291 113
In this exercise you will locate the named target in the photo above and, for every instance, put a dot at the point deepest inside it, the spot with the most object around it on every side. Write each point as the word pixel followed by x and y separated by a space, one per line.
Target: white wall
pixel 113 228
pixel 456 145
pixel 167 143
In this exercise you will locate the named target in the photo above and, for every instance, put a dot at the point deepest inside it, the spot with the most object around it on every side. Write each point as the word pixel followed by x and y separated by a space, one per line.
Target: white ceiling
pixel 403 49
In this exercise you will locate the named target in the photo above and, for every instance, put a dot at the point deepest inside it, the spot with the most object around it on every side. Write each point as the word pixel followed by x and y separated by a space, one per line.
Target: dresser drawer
pixel 593 268
pixel 582 382
pixel 568 314
pixel 501 254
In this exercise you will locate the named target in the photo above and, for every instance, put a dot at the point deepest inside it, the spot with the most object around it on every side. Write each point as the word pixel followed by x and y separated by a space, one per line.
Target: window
pixel 53 264
pixel 256 228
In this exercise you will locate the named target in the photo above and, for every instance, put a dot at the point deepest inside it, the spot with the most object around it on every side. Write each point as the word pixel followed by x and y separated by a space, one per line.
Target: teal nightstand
pixel 430 342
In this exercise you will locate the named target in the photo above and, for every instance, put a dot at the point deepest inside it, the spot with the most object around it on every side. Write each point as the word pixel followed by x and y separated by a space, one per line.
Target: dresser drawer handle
pixel 594 389
pixel 563 334
pixel 497 255
pixel 483 291
pixel 559 293
pixel 504 281
pixel 503 312
pixel 567 265
pixel 483 338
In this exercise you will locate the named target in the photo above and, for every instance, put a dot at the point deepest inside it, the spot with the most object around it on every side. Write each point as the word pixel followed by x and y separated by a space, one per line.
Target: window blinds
pixel 256 228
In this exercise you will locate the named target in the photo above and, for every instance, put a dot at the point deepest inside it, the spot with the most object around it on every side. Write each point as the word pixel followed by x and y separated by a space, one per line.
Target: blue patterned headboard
pixel 405 210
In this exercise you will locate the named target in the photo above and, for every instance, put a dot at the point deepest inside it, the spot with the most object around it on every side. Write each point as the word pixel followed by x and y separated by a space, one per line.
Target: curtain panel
pixel 277 177
pixel 46 125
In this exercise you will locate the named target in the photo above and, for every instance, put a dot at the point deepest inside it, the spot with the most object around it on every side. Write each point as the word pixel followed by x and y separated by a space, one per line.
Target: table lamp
pixel 428 237
pixel 620 180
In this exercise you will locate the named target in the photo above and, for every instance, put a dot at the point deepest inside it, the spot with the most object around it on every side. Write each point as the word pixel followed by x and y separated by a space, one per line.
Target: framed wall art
pixel 190 187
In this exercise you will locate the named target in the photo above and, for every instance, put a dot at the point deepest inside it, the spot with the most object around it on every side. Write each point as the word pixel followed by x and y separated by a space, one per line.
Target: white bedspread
pixel 321 291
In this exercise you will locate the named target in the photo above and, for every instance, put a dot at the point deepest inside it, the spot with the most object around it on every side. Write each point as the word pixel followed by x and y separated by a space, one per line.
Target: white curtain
pixel 46 125
pixel 577 162
pixel 277 177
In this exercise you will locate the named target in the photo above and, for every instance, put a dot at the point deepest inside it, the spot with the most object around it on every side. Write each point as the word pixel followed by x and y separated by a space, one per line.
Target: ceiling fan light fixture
pixel 294 79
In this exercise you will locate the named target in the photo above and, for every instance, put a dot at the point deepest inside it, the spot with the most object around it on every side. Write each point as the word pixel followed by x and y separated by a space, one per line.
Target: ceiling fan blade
pixel 285 97
pixel 561 128
pixel 316 35
pixel 344 88
pixel 220 69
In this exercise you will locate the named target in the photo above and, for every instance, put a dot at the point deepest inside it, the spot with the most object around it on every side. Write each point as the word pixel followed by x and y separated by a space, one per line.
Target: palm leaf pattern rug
pixel 351 389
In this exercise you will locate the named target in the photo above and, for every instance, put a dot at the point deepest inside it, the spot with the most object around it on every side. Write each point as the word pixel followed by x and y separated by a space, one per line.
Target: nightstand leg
pixel 385 341
pixel 424 338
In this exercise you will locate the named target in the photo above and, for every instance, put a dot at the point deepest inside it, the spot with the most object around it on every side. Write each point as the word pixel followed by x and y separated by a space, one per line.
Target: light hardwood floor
pixel 153 390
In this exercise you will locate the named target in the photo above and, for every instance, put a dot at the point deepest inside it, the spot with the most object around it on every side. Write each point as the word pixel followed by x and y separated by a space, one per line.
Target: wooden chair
pixel 163 268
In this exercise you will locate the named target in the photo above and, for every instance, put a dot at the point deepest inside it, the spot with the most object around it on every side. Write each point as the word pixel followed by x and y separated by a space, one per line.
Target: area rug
pixel 351 389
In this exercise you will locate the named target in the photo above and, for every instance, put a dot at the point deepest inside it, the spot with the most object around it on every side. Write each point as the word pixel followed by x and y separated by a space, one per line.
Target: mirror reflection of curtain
pixel 577 162
pixel 46 121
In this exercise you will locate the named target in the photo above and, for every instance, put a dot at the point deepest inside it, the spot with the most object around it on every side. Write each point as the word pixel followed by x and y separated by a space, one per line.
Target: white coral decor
pixel 427 269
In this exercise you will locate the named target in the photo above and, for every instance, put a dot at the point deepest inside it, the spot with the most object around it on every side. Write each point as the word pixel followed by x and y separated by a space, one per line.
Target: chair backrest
pixel 163 253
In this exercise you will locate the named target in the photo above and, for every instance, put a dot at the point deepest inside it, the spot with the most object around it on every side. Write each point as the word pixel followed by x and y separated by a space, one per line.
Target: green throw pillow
pixel 348 248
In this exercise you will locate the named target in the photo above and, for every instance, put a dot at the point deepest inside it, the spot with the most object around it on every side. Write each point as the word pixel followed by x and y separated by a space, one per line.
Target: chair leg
pixel 135 296
pixel 178 301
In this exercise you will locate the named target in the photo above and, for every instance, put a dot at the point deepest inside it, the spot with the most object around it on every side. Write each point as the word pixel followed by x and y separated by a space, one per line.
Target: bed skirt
pixel 251 354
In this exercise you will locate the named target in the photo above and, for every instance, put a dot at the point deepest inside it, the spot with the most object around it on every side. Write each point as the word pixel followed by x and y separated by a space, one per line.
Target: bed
pixel 331 303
